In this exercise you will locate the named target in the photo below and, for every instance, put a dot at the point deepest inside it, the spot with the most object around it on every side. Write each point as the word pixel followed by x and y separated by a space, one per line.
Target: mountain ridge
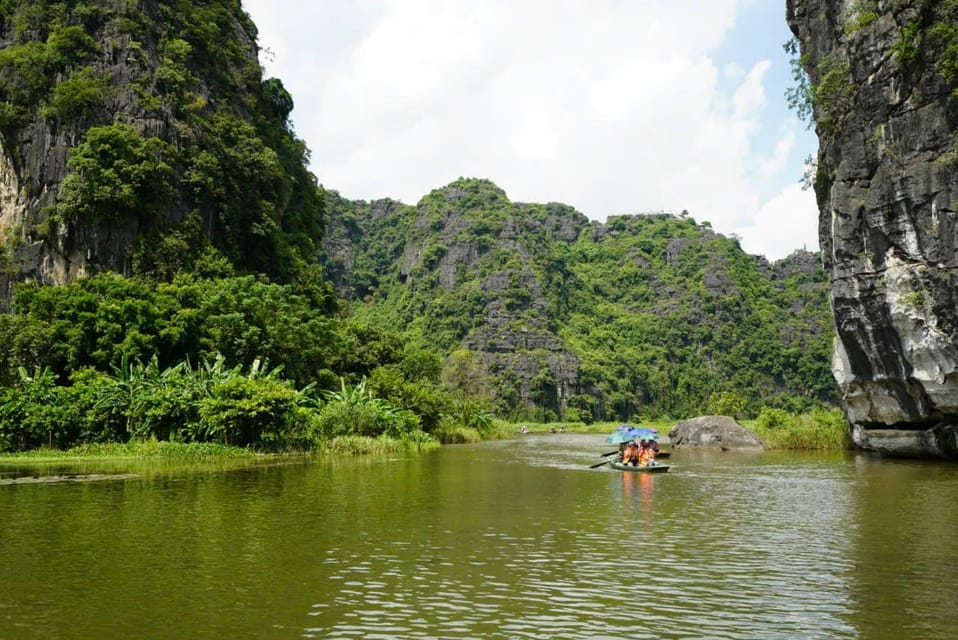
pixel 465 268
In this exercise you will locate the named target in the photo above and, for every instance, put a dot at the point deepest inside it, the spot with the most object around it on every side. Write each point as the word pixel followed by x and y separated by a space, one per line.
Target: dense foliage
pixel 656 314
pixel 180 170
pixel 175 135
pixel 113 359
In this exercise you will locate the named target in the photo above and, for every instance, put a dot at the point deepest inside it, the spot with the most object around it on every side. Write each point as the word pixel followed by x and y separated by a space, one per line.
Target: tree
pixel 115 175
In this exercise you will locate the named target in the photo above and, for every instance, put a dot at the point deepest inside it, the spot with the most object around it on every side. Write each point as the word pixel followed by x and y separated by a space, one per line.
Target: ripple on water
pixel 517 545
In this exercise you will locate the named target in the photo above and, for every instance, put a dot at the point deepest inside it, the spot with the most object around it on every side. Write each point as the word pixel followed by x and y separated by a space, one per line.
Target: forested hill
pixel 141 138
pixel 646 314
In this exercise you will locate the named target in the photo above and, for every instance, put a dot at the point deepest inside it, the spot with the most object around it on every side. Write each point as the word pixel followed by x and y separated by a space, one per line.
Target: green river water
pixel 511 539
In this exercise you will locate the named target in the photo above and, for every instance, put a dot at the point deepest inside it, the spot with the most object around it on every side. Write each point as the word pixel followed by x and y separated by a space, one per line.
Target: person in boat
pixel 654 446
pixel 631 454
pixel 646 454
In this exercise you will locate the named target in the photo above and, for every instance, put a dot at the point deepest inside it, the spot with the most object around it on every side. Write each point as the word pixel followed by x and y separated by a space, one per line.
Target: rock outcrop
pixel 713 431
pixel 154 124
pixel 887 183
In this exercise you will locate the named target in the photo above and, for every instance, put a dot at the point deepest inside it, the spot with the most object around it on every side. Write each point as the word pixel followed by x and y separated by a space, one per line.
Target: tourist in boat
pixel 631 454
pixel 646 454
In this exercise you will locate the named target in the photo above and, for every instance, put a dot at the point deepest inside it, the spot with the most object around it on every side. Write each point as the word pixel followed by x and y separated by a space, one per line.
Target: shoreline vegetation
pixel 109 359
pixel 817 430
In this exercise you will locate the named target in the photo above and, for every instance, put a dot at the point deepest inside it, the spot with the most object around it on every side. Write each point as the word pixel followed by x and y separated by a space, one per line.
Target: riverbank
pixel 817 430
pixel 820 429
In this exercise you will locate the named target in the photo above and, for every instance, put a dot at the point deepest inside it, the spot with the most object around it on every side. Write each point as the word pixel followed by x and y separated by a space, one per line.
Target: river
pixel 510 539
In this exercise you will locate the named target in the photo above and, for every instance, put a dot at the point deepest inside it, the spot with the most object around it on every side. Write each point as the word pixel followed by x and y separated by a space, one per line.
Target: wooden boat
pixel 659 468
pixel 663 454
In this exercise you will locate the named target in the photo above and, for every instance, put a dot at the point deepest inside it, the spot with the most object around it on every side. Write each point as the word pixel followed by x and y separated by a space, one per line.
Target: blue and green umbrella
pixel 626 432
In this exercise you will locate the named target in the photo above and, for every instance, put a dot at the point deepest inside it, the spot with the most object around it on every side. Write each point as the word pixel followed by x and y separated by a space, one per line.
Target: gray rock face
pixel 713 431
pixel 887 185
pixel 33 158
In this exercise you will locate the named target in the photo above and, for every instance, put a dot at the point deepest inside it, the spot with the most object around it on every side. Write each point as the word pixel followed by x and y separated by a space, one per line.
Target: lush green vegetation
pixel 137 449
pixel 664 317
pixel 818 429
pixel 227 170
pixel 112 359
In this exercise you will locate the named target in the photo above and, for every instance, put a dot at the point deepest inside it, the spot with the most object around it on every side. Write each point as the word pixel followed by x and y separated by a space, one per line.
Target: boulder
pixel 713 431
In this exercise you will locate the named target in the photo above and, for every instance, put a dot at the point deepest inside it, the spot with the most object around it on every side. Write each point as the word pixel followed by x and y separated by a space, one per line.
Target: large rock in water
pixel 713 431
pixel 887 183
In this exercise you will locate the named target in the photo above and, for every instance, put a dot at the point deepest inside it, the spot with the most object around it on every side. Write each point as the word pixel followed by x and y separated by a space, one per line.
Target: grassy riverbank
pixel 821 429
pixel 136 450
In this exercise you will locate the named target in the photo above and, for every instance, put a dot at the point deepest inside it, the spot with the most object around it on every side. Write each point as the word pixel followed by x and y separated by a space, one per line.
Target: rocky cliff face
pixel 106 46
pixel 883 90
pixel 652 313
pixel 451 236
pixel 187 133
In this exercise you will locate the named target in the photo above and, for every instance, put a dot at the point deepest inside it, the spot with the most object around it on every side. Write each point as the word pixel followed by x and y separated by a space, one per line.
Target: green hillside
pixel 146 129
pixel 642 315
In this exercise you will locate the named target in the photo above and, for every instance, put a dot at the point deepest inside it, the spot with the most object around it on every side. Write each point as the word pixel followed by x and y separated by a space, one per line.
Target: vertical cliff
pixel 883 85
pixel 136 135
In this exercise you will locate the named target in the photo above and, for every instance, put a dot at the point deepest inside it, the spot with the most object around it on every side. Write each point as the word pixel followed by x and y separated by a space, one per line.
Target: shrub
pixel 770 418
pixel 244 412
pixel 116 174
pixel 819 429
pixel 35 413
pixel 70 44
pixel 78 97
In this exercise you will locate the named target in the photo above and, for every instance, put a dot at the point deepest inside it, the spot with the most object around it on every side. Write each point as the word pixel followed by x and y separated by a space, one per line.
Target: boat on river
pixel 656 468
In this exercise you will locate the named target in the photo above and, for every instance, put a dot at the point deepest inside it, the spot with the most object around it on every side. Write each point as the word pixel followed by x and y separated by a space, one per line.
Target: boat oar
pixel 599 464
pixel 611 453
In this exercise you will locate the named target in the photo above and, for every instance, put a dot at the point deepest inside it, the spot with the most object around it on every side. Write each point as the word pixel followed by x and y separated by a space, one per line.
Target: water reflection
pixel 516 539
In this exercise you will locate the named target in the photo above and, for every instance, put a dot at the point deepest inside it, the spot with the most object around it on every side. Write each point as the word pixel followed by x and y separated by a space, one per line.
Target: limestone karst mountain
pixel 136 135
pixel 579 319
pixel 884 90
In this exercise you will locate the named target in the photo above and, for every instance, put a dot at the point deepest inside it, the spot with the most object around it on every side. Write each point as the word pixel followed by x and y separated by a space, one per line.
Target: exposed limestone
pixel 34 155
pixel 713 431
pixel 887 185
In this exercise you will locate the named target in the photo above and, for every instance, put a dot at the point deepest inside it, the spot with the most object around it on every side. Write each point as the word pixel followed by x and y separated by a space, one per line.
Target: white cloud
pixel 787 222
pixel 783 149
pixel 609 106
pixel 750 96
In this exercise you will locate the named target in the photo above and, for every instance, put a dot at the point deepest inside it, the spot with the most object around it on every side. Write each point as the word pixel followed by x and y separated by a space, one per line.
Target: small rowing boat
pixel 656 468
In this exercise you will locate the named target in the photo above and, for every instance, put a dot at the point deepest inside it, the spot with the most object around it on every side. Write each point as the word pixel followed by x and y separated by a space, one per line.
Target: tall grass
pixel 134 449
pixel 823 429
pixel 366 445
pixel 451 431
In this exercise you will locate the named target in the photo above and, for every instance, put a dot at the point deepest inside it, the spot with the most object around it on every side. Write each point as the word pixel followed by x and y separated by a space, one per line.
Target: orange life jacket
pixel 646 454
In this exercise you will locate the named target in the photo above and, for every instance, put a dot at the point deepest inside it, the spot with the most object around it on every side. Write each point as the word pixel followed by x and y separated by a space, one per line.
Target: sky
pixel 610 106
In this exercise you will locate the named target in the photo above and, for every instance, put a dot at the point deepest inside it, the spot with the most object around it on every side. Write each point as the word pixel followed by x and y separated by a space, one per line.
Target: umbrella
pixel 617 437
pixel 643 432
